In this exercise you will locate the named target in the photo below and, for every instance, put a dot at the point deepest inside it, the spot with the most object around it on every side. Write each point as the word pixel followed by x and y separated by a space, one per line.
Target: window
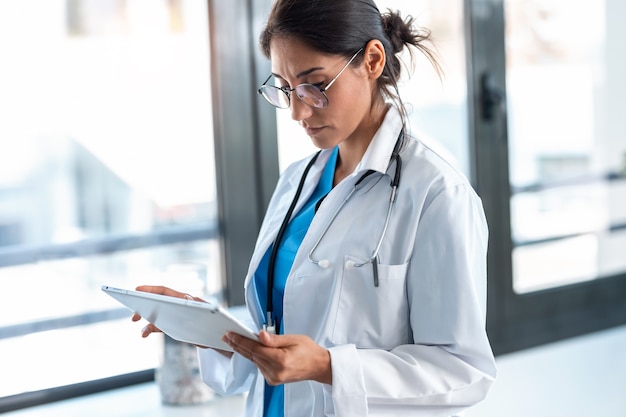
pixel 107 176
pixel 547 126
pixel 567 166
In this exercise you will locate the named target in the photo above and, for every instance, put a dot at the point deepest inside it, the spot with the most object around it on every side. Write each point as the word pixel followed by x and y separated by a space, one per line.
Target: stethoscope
pixel 270 326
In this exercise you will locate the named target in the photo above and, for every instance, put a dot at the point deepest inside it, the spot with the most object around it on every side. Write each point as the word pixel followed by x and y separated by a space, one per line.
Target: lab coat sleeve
pixel 450 366
pixel 226 376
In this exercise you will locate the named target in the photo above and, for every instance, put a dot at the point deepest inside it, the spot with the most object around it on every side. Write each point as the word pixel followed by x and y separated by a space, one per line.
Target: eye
pixel 316 85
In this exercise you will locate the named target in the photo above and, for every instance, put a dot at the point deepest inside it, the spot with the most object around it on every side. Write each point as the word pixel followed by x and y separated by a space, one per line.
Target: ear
pixel 375 58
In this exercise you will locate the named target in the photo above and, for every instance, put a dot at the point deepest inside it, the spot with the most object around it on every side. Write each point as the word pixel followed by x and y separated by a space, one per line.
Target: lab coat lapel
pixel 312 287
pixel 283 196
pixel 276 211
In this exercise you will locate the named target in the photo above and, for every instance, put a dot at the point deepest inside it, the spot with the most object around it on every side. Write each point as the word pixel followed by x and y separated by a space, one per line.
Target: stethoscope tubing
pixel 279 236
pixel 392 199
pixel 270 324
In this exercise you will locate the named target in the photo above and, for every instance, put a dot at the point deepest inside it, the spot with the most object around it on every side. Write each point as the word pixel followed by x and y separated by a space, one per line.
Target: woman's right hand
pixel 159 289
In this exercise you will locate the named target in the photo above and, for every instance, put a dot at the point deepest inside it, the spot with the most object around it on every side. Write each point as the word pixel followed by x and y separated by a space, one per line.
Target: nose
pixel 299 110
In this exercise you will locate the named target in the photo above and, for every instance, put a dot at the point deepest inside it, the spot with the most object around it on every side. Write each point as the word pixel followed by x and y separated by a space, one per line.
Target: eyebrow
pixel 301 74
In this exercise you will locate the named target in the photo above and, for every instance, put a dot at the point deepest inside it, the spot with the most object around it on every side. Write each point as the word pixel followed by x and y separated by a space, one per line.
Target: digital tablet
pixel 185 320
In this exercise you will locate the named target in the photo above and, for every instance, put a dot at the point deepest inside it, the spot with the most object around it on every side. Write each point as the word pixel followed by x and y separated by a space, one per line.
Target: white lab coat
pixel 416 344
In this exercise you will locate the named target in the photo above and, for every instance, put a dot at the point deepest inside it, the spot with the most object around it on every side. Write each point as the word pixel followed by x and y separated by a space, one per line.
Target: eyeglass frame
pixel 287 91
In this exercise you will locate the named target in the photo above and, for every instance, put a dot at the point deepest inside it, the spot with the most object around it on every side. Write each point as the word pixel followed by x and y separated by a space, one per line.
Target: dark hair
pixel 341 27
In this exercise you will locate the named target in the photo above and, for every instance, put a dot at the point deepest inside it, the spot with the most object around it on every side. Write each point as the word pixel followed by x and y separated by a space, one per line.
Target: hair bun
pixel 397 30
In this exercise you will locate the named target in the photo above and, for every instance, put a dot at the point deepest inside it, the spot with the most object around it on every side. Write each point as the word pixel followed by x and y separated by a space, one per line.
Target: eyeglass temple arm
pixel 342 70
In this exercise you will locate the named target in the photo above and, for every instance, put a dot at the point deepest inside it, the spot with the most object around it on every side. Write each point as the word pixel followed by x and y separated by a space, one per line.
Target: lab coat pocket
pixel 372 316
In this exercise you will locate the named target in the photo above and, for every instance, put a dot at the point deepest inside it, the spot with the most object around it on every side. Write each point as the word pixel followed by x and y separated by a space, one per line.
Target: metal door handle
pixel 491 97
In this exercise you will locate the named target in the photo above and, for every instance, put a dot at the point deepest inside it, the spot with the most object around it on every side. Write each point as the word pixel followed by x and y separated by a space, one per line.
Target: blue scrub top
pixel 288 247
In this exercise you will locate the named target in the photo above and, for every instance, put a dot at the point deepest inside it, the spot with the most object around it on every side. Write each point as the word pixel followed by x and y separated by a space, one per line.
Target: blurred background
pixel 132 139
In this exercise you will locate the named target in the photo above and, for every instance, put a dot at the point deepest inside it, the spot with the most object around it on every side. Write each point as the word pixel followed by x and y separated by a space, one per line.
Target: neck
pixel 352 149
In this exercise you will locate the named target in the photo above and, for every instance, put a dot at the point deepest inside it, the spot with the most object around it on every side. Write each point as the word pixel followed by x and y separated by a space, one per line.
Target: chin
pixel 322 144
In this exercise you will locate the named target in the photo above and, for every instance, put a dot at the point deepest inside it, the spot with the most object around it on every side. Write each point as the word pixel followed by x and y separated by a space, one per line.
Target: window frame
pixel 519 321
pixel 246 153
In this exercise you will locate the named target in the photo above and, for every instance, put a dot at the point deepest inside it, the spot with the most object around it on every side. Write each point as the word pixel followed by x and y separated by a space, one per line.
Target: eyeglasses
pixel 312 94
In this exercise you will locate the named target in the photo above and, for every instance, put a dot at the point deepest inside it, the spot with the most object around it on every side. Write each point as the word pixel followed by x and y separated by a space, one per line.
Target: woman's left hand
pixel 284 358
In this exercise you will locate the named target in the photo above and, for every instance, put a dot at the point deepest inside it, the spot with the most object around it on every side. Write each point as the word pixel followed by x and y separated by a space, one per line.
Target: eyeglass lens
pixel 310 94
pixel 307 93
pixel 275 96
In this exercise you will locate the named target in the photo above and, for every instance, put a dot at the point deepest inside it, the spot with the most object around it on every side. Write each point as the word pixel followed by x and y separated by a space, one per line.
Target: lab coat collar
pixel 376 157
pixel 378 153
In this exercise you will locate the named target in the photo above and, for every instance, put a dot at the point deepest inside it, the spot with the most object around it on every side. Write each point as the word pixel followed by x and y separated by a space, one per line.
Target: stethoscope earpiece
pixel 324 263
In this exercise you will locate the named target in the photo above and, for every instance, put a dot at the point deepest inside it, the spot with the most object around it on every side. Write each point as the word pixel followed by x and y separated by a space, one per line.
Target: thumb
pixel 271 340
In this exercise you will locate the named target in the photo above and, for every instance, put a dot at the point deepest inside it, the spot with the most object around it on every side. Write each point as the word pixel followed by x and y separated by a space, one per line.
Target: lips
pixel 312 131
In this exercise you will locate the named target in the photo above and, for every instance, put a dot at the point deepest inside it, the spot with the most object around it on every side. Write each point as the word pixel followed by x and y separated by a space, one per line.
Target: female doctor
pixel 368 276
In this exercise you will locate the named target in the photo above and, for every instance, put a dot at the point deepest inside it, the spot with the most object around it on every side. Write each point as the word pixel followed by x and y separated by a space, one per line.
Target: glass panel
pixel 106 134
pixel 567 151
pixel 58 306
pixel 437 107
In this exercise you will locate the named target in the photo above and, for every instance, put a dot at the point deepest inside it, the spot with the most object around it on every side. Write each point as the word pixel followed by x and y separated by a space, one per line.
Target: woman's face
pixel 348 116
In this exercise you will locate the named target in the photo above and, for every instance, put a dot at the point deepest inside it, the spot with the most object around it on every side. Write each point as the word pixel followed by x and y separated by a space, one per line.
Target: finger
pixel 159 289
pixel 192 298
pixel 265 352
pixel 273 340
pixel 269 360
pixel 246 353
pixel 247 348
pixel 237 340
pixel 149 329
pixel 276 341
pixel 135 317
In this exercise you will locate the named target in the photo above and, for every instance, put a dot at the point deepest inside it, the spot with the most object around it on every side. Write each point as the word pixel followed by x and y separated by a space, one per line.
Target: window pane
pixel 437 107
pixel 102 129
pixel 566 141
pixel 57 310
pixel 106 137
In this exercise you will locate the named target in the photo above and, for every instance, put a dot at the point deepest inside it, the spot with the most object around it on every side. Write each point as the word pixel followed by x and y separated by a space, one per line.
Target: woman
pixel 378 279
